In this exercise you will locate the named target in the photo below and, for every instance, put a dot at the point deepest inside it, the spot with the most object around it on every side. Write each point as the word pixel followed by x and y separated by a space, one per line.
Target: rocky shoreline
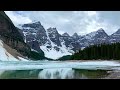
pixel 113 75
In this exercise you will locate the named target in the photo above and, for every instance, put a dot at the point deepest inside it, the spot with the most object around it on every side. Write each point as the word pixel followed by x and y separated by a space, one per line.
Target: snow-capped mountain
pixel 51 42
pixel 115 37
pixel 75 36
pixel 96 37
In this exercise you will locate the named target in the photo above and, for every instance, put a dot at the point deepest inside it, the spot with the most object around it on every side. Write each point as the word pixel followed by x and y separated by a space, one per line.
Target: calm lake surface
pixel 57 69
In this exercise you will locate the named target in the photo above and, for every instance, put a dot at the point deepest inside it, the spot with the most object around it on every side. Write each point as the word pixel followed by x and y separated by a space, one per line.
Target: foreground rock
pixel 113 75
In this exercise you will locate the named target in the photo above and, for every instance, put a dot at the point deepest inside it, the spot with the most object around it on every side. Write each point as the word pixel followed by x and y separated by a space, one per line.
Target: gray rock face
pixel 67 39
pixel 35 31
pixel 34 35
pixel 54 36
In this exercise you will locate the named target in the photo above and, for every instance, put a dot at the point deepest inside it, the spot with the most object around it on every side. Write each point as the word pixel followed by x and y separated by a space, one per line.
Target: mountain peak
pixel 52 30
pixel 66 34
pixel 75 35
pixel 118 31
pixel 115 37
pixel 100 30
pixel 35 22
pixel 99 33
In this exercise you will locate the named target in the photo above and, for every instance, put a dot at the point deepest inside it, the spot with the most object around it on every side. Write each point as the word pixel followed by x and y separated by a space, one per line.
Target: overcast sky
pixel 82 22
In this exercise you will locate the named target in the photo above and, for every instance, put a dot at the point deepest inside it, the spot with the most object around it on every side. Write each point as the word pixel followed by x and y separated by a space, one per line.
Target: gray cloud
pixel 82 22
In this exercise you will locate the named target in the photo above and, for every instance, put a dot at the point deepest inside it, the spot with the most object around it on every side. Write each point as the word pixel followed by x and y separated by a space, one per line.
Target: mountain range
pixel 32 41
pixel 55 45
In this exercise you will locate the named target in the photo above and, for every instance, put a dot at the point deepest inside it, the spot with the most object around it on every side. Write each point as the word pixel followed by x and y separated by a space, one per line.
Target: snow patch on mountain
pixel 53 44
pixel 5 56
pixel 90 35
pixel 52 52
pixel 25 33
pixel 34 50
pixel 22 59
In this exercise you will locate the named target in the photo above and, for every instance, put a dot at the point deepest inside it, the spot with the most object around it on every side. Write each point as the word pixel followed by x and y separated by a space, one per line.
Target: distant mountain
pixel 115 37
pixel 51 42
pixel 96 37
pixel 75 36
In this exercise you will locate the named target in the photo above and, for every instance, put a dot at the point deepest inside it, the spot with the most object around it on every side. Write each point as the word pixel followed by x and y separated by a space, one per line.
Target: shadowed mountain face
pixel 10 35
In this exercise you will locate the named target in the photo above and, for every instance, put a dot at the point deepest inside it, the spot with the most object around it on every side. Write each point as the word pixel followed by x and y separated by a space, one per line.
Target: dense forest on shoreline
pixel 102 51
pixel 95 52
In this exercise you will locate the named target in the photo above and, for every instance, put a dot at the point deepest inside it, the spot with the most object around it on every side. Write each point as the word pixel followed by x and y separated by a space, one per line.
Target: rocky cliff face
pixel 54 36
pixel 10 35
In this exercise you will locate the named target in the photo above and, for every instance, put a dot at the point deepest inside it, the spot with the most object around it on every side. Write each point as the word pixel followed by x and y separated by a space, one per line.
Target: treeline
pixel 103 51
pixel 67 57
pixel 38 56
